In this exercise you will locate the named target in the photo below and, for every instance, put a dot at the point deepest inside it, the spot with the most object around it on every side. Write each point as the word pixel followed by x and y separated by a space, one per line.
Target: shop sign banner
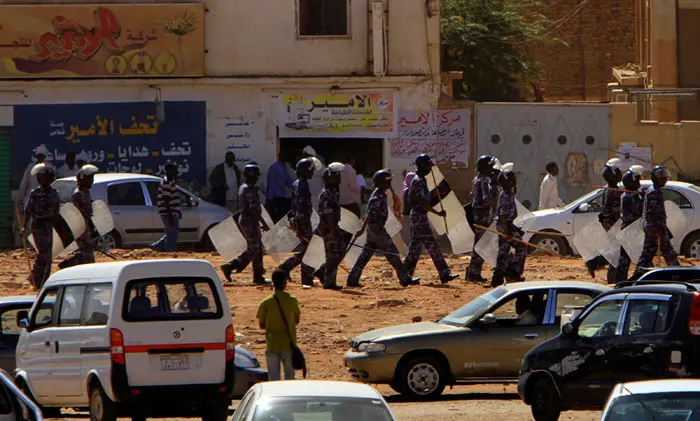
pixel 444 135
pixel 101 41
pixel 351 114
pixel 118 137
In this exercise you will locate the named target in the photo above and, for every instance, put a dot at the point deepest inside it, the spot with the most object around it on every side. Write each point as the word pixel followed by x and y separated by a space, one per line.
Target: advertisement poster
pixel 444 135
pixel 101 41
pixel 351 114
pixel 118 137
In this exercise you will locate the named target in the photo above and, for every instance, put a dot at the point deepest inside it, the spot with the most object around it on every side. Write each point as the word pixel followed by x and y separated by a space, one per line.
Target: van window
pixel 171 299
pixel 126 194
pixel 97 301
pixel 43 316
pixel 71 304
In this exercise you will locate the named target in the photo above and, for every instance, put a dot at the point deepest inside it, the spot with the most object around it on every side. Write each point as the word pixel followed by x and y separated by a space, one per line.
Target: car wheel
pixel 101 407
pixel 206 244
pixel 545 401
pixel 218 411
pixel 422 378
pixel 550 242
pixel 691 246
pixel 108 241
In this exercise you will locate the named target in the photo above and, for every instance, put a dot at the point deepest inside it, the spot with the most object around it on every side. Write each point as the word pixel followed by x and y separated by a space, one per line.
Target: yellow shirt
pixel 276 336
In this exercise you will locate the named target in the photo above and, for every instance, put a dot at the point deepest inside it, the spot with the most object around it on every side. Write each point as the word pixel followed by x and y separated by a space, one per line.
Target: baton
pixel 610 188
pixel 548 251
pixel 99 250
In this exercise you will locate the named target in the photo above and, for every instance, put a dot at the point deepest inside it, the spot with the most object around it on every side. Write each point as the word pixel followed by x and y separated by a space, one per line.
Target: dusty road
pixel 330 319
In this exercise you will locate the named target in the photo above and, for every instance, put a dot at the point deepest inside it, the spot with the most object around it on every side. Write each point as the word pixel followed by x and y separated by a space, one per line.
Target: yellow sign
pixel 101 41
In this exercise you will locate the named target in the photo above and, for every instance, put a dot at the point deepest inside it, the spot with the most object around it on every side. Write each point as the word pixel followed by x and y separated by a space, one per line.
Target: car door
pixel 584 215
pixel 133 219
pixel 585 365
pixel 496 349
pixel 66 343
pixel 9 336
pixel 189 224
pixel 36 348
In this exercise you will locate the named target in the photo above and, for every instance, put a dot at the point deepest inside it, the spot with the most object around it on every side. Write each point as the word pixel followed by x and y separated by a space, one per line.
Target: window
pixel 152 188
pixel 646 316
pixel 467 312
pixel 665 405
pixel 9 322
pixel 322 409
pixel 43 316
pixel 677 198
pixel 524 309
pixel 571 299
pixel 71 304
pixel 126 194
pixel 323 18
pixel 171 299
pixel 595 205
pixel 601 322
pixel 97 302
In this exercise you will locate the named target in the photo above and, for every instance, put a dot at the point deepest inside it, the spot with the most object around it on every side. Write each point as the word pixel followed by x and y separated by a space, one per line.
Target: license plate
pixel 179 362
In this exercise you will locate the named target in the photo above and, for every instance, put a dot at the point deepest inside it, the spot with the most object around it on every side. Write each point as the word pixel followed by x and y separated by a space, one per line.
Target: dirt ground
pixel 330 319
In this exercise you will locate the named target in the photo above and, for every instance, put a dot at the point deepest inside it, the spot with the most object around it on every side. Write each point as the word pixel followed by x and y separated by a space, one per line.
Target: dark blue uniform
pixel 42 208
pixel 506 213
pixel 608 217
pixel 482 192
pixel 378 239
pixel 85 253
pixel 333 238
pixel 300 221
pixel 421 234
pixel 250 208
pixel 630 210
pixel 656 234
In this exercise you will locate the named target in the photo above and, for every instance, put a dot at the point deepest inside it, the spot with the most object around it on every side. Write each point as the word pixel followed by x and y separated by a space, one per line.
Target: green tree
pixel 489 40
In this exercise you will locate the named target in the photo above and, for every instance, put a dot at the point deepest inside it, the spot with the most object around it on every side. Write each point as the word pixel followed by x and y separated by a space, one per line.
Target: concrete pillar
pixel 664 56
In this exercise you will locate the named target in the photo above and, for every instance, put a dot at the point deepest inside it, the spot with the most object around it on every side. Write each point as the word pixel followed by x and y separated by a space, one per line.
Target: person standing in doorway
pixel 225 179
pixel 279 315
pixel 549 192
pixel 168 201
pixel 69 168
pixel 279 188
pixel 349 191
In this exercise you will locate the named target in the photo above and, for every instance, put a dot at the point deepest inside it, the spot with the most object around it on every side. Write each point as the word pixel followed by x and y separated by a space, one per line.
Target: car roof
pixel 111 177
pixel 18 299
pixel 656 386
pixel 112 270
pixel 313 388
pixel 520 286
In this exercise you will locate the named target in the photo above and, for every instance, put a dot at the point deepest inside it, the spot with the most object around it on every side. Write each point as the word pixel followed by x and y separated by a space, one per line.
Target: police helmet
pixel 382 179
pixel 485 163
pixel 660 172
pixel 631 180
pixel 43 168
pixel 87 170
pixel 306 167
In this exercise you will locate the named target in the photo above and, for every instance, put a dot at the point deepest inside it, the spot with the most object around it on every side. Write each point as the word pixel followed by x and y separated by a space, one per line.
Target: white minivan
pixel 139 338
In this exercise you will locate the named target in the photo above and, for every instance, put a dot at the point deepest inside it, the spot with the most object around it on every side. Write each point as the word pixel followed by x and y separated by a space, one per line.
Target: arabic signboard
pixel 351 114
pixel 101 41
pixel 444 135
pixel 118 137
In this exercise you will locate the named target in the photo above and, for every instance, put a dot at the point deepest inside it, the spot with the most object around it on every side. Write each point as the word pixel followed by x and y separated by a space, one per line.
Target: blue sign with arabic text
pixel 118 137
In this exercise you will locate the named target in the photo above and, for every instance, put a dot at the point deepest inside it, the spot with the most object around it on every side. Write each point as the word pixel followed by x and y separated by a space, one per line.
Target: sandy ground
pixel 330 319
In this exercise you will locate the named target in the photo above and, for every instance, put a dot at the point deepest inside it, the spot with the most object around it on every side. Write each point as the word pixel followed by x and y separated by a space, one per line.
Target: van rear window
pixel 171 299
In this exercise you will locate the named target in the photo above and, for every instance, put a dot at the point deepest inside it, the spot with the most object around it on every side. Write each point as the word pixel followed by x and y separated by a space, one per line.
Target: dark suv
pixel 638 331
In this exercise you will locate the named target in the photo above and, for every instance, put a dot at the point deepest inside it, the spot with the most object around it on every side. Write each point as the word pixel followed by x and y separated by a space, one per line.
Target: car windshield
pixel 65 189
pixel 665 406
pixel 322 409
pixel 467 312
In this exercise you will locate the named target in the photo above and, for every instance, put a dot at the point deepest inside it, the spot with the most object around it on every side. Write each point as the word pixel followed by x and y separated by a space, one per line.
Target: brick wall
pixel 599 37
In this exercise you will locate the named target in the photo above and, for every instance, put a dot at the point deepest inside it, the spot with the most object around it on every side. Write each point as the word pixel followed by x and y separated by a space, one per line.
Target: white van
pixel 139 338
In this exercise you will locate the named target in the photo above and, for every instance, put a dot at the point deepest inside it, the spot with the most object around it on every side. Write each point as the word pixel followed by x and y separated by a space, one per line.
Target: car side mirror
pixel 195 203
pixel 488 320
pixel 23 319
pixel 568 330
pixel 585 207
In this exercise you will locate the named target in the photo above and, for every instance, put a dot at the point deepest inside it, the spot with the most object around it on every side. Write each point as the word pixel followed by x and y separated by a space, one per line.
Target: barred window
pixel 323 18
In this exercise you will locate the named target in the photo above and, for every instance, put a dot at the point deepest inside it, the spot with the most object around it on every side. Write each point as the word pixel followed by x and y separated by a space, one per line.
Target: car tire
pixel 101 406
pixel 544 401
pixel 691 246
pixel 217 411
pixel 421 378
pixel 109 241
pixel 550 242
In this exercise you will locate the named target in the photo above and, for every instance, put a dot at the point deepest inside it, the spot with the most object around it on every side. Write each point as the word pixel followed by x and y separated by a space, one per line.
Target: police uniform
pixel 631 206
pixel 508 264
pixel 333 243
pixel 250 207
pixel 42 207
pixel 607 217
pixel 300 221
pixel 656 234
pixel 421 233
pixel 482 192
pixel 85 253
pixel 378 239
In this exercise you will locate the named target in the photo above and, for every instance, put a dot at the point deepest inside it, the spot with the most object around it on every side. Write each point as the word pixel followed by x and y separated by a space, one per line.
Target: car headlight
pixel 241 361
pixel 371 347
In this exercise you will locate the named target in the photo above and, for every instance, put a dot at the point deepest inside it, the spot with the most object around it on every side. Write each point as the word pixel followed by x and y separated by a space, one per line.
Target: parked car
pixel 578 214
pixel 132 200
pixel 14 404
pixel 482 342
pixel 672 273
pixel 312 400
pixel 658 400
pixel 151 337
pixel 9 331
pixel 248 372
pixel 638 331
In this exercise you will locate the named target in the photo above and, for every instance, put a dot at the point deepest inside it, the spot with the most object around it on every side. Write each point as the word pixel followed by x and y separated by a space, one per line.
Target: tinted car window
pixel 601 322
pixel 171 299
pixel 572 299
pixel 126 194
pixel 677 198
pixel 526 308
pixel 646 316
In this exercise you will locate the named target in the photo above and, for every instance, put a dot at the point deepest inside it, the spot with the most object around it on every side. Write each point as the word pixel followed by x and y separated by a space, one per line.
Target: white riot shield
pixel 315 255
pixel 315 220
pixel 632 240
pixel 461 237
pixel 487 247
pixel 69 227
pixel 266 217
pixel 393 226
pixel 675 219
pixel 591 240
pixel 612 251
pixel 280 240
pixel 349 222
pixel 525 218
pixel 400 244
pixel 454 209
pixel 354 251
pixel 228 239
pixel 101 219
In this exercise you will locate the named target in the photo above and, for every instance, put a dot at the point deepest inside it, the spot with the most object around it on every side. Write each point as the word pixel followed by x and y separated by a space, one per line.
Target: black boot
pixel 498 278
pixel 450 277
